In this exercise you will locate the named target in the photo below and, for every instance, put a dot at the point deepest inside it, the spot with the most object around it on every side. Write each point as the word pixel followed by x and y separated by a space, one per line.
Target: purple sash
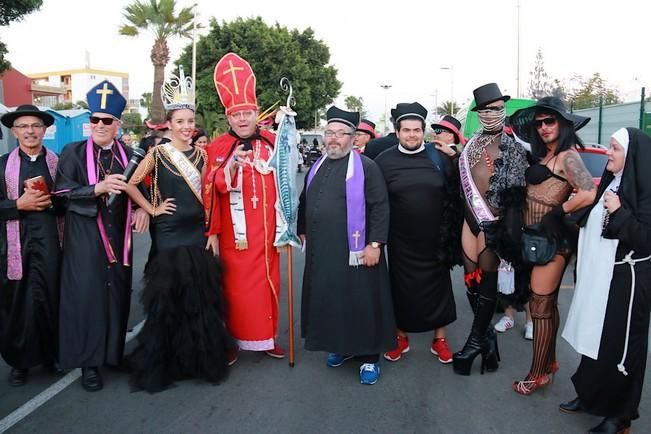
pixel 355 205
pixel 92 169
pixel 12 180
pixel 476 203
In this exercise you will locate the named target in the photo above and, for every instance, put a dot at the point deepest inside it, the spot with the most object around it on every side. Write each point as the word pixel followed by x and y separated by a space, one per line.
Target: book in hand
pixel 37 183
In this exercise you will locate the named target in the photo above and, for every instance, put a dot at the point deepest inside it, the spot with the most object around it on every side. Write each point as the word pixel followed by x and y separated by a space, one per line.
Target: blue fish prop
pixel 284 161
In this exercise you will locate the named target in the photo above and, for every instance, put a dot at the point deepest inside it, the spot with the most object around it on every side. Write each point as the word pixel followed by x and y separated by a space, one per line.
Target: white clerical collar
pixel 409 151
pixel 107 147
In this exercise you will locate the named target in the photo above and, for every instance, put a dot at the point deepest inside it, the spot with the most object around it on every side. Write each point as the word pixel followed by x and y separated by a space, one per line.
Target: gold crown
pixel 178 91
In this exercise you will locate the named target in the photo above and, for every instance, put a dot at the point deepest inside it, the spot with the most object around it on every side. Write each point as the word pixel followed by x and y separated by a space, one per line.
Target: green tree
pixel 159 17
pixel 13 10
pixel 212 122
pixel 539 85
pixel 273 52
pixel 145 101
pixel 66 105
pixel 81 104
pixel 450 108
pixel 356 104
pixel 133 122
pixel 558 90
pixel 590 91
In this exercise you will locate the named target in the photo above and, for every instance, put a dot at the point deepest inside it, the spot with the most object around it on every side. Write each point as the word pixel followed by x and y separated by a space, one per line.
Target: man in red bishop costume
pixel 240 194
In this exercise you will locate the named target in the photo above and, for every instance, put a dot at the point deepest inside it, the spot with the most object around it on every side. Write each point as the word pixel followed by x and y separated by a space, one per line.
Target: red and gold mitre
pixel 235 83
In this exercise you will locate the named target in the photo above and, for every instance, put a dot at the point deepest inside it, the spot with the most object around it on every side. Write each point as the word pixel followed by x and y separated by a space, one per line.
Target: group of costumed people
pixel 212 279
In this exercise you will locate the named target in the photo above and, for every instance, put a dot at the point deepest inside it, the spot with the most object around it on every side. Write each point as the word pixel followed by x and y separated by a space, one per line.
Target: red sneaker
pixel 402 348
pixel 232 356
pixel 277 352
pixel 440 348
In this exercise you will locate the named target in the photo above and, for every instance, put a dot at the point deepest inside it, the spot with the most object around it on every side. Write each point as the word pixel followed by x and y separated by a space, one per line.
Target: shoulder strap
pixel 435 156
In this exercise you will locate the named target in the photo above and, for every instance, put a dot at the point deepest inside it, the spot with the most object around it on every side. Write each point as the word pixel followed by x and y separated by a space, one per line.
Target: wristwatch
pixel 375 244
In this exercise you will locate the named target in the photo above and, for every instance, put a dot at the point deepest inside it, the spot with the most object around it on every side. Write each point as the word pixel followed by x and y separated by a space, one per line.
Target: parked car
pixel 595 159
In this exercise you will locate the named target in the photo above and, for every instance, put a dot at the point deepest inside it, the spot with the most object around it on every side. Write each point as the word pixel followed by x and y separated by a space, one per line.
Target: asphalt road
pixel 417 394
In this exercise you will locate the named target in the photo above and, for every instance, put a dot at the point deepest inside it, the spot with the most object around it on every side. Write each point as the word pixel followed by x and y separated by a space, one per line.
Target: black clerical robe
pixel 95 294
pixel 29 306
pixel 419 196
pixel 345 309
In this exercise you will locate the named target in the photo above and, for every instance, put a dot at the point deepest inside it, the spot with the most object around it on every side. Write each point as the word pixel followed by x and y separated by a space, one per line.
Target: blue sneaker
pixel 369 373
pixel 335 360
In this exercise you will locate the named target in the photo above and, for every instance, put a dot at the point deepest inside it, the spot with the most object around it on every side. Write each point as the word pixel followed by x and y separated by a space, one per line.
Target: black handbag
pixel 537 249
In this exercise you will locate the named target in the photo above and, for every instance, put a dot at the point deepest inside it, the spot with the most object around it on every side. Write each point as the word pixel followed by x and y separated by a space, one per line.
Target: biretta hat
pixel 409 110
pixel 8 118
pixel 521 119
pixel 487 94
pixel 367 127
pixel 451 124
pixel 235 83
pixel 106 98
pixel 335 114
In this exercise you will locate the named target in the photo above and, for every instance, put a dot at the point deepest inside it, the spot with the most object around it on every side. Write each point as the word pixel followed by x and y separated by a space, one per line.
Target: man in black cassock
pixel 96 271
pixel 425 231
pixel 344 220
pixel 29 246
pixel 378 145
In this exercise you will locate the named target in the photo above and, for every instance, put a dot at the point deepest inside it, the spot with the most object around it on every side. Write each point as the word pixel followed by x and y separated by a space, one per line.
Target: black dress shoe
pixel 18 377
pixel 612 425
pixel 573 406
pixel 91 380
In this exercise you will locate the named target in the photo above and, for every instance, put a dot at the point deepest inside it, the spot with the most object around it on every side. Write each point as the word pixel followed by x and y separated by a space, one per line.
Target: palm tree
pixel 448 108
pixel 158 17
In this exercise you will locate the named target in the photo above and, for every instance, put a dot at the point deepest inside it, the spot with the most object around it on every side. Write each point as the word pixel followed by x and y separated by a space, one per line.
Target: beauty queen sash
pixel 188 171
pixel 93 178
pixel 476 203
pixel 12 180
pixel 355 206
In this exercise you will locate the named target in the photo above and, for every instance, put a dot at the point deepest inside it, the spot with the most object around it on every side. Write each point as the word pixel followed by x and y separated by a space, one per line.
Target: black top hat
pixel 521 119
pixel 487 94
pixel 8 118
pixel 407 111
pixel 335 114
pixel 451 124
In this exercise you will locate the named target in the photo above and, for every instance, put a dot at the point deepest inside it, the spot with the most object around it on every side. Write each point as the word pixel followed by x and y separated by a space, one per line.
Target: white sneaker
pixel 504 324
pixel 528 331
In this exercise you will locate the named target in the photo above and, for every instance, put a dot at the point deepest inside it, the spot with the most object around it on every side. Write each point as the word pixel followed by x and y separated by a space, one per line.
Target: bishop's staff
pixel 284 161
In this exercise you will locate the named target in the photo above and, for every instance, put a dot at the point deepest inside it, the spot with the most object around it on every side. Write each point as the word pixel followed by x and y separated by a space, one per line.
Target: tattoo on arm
pixel 576 172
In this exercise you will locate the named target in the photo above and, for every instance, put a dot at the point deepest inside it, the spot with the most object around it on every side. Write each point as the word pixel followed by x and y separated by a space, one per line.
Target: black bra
pixel 539 173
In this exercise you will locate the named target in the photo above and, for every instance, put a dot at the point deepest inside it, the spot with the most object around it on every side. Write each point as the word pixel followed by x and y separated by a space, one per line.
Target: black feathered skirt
pixel 184 335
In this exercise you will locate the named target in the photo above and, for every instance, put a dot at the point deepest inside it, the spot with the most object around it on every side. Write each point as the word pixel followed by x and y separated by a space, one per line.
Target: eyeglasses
pixel 440 131
pixel 28 126
pixel 105 121
pixel 338 134
pixel 547 121
pixel 491 108
pixel 244 114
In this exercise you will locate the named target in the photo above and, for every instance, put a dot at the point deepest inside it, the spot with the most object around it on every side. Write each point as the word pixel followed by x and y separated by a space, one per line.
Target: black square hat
pixel 409 111
pixel 335 114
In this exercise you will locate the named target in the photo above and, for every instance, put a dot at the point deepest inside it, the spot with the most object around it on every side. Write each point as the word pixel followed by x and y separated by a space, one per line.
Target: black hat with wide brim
pixel 521 120
pixel 8 118
pixel 487 94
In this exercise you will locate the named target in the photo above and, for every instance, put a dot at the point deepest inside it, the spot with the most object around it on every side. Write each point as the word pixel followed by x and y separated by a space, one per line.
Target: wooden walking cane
pixel 290 304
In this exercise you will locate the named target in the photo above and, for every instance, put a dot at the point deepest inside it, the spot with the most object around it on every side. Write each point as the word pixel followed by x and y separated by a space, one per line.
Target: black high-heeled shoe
pixel 612 425
pixel 462 361
pixel 492 357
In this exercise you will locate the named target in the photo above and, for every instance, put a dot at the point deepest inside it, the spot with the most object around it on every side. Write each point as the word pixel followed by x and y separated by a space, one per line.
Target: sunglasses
pixel 491 108
pixel 547 121
pixel 105 121
pixel 441 131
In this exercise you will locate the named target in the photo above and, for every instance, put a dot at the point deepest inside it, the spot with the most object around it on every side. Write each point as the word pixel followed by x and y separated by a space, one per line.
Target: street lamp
pixel 451 69
pixel 386 88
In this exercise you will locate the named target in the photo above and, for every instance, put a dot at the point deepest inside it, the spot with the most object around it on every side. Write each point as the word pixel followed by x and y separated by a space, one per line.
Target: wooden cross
pixel 104 91
pixel 255 199
pixel 356 235
pixel 232 70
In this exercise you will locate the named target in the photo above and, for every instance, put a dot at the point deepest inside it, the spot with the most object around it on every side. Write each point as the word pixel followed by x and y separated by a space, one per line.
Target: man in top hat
pixel 447 134
pixel 424 231
pixel 240 193
pixel 492 167
pixel 365 131
pixel 376 146
pixel 96 270
pixel 343 219
pixel 29 280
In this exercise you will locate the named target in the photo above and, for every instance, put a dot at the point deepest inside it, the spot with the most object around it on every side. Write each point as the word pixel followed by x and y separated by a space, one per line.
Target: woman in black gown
pixel 184 335
pixel 608 322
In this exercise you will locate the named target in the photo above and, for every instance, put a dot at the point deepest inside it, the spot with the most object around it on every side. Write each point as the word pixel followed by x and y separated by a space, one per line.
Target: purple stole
pixel 355 205
pixel 12 180
pixel 92 169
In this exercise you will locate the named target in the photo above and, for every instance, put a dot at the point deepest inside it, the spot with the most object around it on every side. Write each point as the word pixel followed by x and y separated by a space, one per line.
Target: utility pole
pixel 386 88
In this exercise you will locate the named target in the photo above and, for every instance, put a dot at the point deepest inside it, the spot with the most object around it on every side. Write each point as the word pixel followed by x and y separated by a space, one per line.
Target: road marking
pixel 30 406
